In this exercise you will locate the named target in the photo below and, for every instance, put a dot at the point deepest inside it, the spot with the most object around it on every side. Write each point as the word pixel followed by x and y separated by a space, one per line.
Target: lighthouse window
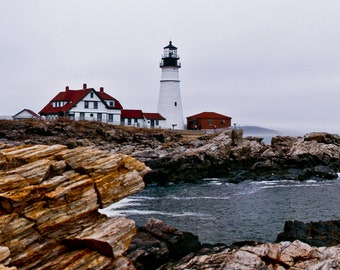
pixel 175 104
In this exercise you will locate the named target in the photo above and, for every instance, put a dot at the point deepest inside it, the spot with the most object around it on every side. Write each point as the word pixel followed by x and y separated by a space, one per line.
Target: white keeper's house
pixel 91 105
pixel 83 104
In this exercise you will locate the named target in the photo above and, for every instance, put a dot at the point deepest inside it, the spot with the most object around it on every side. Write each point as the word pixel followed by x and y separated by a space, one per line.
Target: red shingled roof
pixel 72 97
pixel 153 116
pixel 138 114
pixel 209 115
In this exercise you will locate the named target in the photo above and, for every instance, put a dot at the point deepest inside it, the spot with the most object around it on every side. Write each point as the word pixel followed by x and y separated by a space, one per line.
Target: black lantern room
pixel 170 57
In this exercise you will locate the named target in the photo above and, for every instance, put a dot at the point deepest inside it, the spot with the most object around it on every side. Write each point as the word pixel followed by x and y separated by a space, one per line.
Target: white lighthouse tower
pixel 169 101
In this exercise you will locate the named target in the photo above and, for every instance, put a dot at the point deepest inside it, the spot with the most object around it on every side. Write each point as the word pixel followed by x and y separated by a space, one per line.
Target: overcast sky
pixel 271 63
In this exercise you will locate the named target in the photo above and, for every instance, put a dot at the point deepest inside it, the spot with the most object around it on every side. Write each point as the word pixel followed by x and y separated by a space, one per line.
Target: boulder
pixel 321 233
pixel 294 255
pixel 323 137
pixel 157 243
pixel 49 201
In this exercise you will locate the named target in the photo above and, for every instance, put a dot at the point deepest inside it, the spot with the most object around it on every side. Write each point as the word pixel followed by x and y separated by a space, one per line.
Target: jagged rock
pixel 180 243
pixel 284 255
pixel 176 157
pixel 324 172
pixel 323 137
pixel 5 259
pixel 156 243
pixel 321 233
pixel 49 201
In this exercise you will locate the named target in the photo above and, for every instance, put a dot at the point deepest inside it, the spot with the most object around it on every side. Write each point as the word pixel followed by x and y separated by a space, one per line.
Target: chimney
pixel 84 86
pixel 67 88
pixel 101 89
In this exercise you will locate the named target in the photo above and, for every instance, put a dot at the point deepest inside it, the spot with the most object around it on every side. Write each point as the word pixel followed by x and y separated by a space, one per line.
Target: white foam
pixel 111 213
pixel 305 184
pixel 126 202
pixel 198 198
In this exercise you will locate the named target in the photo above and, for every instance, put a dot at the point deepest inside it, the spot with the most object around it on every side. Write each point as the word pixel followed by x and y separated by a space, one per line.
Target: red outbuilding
pixel 208 120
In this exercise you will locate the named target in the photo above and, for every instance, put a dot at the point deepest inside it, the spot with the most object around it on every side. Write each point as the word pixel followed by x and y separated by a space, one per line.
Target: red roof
pixel 72 97
pixel 209 115
pixel 138 114
pixel 153 116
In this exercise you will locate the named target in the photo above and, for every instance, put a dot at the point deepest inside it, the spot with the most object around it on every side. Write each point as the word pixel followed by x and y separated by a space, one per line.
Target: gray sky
pixel 271 63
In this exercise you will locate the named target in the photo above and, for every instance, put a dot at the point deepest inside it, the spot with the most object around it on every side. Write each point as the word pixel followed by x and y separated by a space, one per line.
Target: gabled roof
pixel 72 97
pixel 138 114
pixel 29 111
pixel 209 115
pixel 106 97
pixel 153 116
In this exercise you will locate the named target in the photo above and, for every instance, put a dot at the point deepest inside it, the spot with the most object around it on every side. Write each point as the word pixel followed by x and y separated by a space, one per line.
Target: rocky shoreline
pixel 159 246
pixel 177 156
pixel 56 175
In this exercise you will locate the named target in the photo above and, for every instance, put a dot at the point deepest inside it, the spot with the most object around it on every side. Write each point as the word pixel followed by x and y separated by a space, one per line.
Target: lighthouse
pixel 169 101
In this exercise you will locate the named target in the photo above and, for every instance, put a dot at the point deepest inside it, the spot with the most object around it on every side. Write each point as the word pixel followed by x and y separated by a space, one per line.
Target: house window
pixel 110 117
pixel 136 120
pixel 157 122
pixel 175 103
pixel 210 122
pixel 95 105
pixel 86 105
pixel 129 121
pixel 91 94
pixel 99 117
pixel 112 103
pixel 81 116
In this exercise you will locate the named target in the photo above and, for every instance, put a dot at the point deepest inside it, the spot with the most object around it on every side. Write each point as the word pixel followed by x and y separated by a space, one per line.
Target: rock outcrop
pixel 159 246
pixel 320 233
pixel 174 156
pixel 49 201
pixel 157 243
pixel 280 256
pixel 314 155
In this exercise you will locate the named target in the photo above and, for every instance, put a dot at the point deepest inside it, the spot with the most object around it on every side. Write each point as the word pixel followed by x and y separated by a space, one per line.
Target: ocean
pixel 222 212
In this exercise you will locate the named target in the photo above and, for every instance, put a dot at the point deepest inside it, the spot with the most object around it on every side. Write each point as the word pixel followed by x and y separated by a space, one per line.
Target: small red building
pixel 208 120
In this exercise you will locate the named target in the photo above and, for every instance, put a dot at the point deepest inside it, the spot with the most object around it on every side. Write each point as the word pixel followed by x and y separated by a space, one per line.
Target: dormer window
pixel 111 103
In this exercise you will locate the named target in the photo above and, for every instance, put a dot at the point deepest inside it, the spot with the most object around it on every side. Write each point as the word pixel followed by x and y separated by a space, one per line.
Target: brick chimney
pixel 101 89
pixel 84 86
pixel 67 88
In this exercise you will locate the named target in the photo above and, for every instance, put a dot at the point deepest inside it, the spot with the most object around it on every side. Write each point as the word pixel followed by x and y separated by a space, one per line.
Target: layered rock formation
pixel 49 201
pixel 175 157
pixel 159 246
pixel 280 256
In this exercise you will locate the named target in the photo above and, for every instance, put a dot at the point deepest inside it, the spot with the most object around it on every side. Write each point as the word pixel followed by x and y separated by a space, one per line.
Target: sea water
pixel 222 212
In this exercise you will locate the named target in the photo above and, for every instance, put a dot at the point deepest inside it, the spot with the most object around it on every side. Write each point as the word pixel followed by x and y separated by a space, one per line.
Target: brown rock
pixel 284 255
pixel 49 201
